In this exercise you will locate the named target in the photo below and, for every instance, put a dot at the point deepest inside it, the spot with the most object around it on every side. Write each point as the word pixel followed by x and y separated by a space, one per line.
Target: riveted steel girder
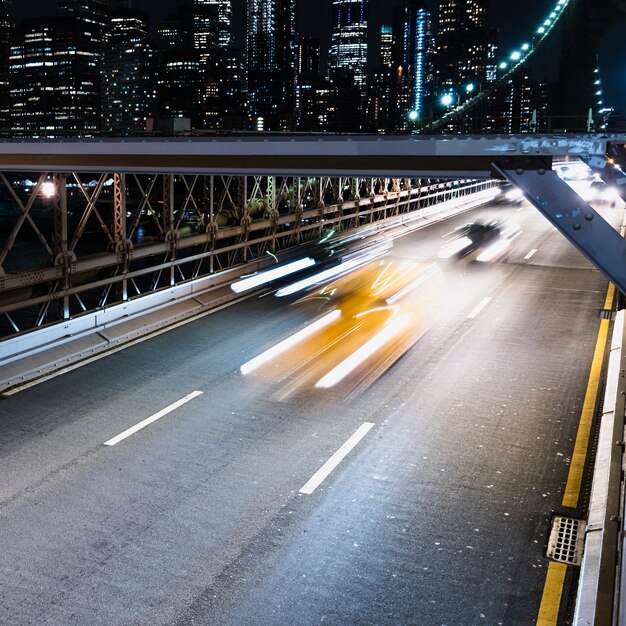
pixel 579 222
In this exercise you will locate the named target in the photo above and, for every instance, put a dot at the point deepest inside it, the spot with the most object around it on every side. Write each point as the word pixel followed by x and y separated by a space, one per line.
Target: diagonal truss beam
pixel 579 222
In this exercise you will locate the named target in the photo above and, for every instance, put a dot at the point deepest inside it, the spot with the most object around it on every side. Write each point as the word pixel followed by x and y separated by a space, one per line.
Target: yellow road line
pixel 551 598
pixel 555 578
pixel 575 477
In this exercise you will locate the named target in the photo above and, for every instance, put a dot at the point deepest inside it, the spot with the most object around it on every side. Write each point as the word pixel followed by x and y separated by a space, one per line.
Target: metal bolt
pixel 519 171
pixel 577 226
pixel 541 171
pixel 588 216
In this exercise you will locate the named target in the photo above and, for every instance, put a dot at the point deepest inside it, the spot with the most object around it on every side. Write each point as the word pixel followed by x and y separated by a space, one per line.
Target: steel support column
pixel 122 245
pixel 61 249
pixel 580 223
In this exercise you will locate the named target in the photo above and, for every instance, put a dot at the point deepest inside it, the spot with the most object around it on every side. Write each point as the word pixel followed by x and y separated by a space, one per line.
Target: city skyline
pixel 191 65
pixel 315 17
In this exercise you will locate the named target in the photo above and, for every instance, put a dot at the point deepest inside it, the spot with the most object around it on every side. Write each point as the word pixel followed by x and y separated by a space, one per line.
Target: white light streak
pixel 347 366
pixel 290 342
pixel 265 277
pixel 455 247
pixel 321 277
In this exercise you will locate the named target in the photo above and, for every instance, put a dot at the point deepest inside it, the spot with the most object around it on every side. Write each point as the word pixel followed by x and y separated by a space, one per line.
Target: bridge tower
pixel 586 24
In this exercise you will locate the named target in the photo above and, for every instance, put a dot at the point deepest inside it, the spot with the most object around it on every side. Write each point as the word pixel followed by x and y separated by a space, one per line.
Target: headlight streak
pixel 348 365
pixel 456 246
pixel 331 272
pixel 290 342
pixel 265 277
pixel 494 251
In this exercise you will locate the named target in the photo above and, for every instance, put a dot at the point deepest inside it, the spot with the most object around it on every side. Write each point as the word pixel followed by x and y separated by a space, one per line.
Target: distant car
pixel 482 241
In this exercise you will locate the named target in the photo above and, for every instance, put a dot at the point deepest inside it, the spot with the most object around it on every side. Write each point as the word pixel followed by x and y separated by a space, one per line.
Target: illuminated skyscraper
pixel 386 44
pixel 348 48
pixel 127 90
pixel 271 56
pixel 225 16
pixel 463 38
pixel 205 26
pixel 7 24
pixel 55 78
pixel 412 67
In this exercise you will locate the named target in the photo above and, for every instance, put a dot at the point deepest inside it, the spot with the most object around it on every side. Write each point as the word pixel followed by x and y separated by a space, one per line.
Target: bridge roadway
pixel 439 515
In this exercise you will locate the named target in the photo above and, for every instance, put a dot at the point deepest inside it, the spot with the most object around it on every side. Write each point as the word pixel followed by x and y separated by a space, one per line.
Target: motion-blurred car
pixel 481 241
pixel 363 323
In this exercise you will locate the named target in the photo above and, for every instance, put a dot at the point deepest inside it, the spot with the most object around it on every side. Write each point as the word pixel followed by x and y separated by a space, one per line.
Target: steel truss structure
pixel 74 242
pixel 102 222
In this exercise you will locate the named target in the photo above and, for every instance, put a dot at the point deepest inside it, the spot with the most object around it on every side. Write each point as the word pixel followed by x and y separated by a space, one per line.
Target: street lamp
pixel 48 189
pixel 447 100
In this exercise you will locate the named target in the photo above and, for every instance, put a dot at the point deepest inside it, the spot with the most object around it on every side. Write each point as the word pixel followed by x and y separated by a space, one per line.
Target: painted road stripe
pixel 575 477
pixel 552 592
pixel 324 471
pixel 531 254
pixel 481 305
pixel 555 578
pixel 153 418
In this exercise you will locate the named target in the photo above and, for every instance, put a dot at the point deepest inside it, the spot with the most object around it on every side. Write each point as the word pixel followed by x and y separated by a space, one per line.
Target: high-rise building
pixel 7 24
pixel 224 103
pixel 271 57
pixel 205 27
pixel 462 44
pixel 412 84
pixel 386 45
pixel 225 16
pixel 308 56
pixel 348 48
pixel 180 89
pixel 174 34
pixel 96 12
pixel 127 73
pixel 316 97
pixel 55 77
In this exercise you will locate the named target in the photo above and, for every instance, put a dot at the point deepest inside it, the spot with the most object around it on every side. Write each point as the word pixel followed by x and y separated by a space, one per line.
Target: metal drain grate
pixel 566 540
pixel 607 314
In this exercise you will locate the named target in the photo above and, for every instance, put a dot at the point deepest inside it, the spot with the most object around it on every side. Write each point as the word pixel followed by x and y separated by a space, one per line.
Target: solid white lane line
pixel 530 255
pixel 153 418
pixel 324 471
pixel 481 305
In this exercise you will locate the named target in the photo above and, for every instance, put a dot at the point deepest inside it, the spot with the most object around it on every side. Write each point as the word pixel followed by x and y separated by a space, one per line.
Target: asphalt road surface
pixel 438 513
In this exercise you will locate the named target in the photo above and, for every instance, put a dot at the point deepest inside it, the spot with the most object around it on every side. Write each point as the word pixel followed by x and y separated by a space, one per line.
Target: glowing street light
pixel 48 189
pixel 413 116
pixel 447 100
pixel 516 56
pixel 470 88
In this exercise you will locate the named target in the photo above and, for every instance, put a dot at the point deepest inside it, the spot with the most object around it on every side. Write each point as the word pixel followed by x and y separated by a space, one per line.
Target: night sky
pixel 516 20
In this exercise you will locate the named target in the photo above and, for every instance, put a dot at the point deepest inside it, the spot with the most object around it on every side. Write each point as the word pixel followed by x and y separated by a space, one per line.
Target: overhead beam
pixel 407 156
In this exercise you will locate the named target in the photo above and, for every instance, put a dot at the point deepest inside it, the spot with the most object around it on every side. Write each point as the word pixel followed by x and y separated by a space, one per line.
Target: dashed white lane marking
pixel 153 418
pixel 531 254
pixel 335 459
pixel 481 305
